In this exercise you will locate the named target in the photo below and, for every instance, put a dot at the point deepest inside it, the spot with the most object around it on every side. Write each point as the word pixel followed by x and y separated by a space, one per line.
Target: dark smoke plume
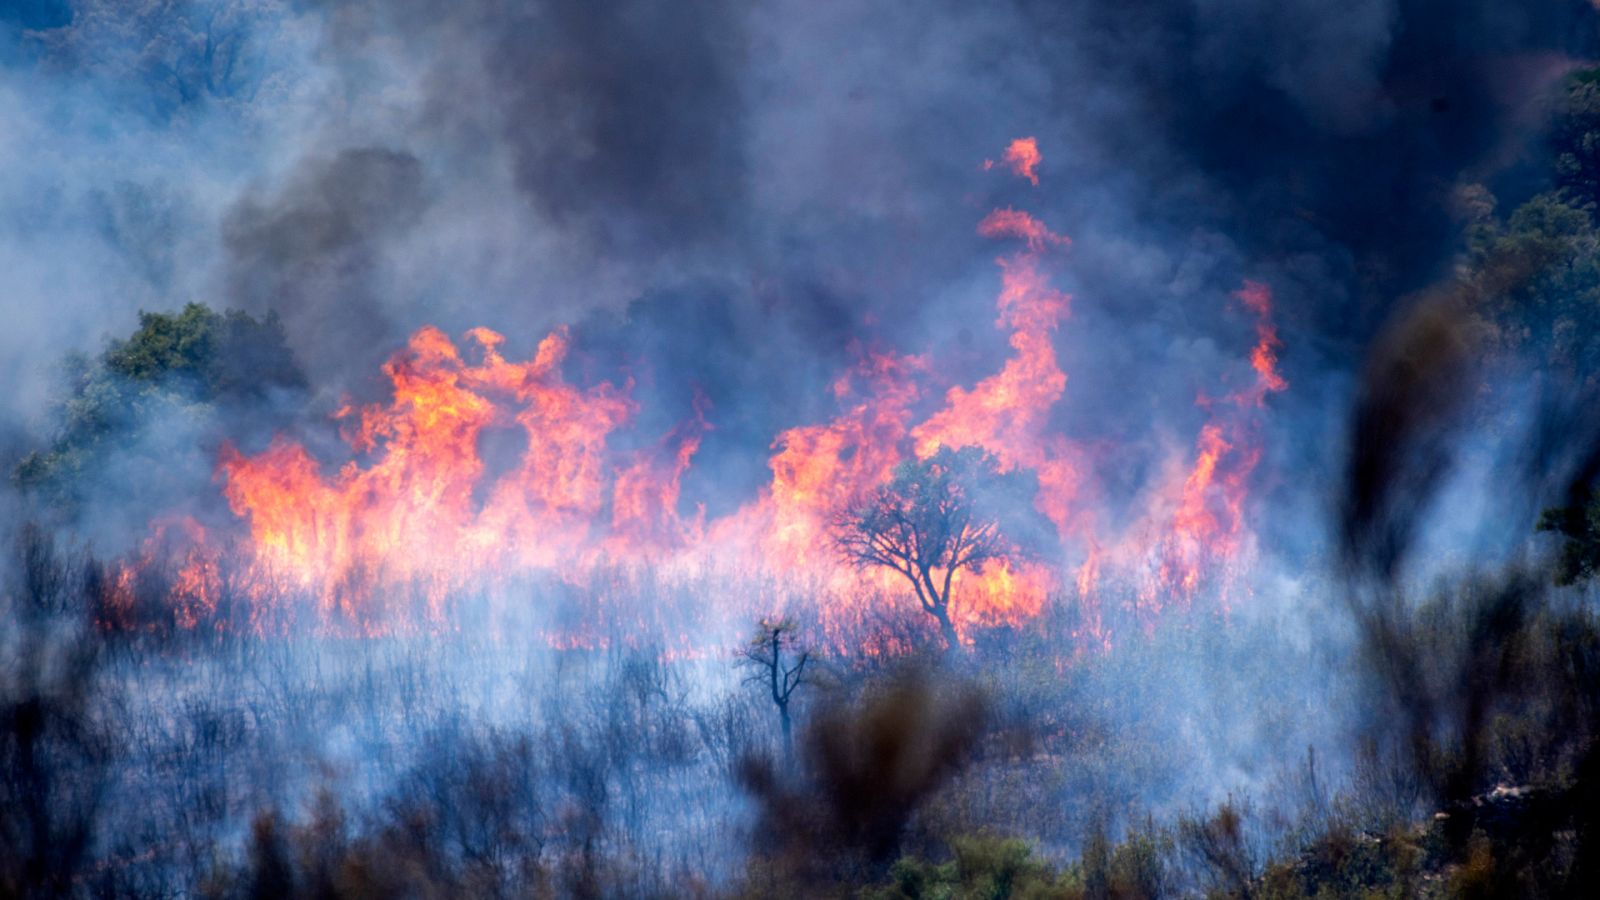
pixel 310 253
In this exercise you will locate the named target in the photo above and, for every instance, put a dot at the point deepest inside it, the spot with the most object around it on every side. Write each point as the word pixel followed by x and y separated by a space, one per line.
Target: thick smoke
pixel 729 204
pixel 311 253
pixel 760 187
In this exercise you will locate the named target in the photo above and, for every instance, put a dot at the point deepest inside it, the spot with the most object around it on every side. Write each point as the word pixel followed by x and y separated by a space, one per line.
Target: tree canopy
pixel 1532 279
pixel 955 510
pixel 178 373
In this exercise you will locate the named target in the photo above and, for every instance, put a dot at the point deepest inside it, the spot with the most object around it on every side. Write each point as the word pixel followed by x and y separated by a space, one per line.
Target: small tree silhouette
pixel 765 656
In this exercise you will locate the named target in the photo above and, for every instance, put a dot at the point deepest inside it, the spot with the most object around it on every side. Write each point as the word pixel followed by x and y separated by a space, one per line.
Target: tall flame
pixel 421 512
pixel 418 511
pixel 818 468
pixel 1207 529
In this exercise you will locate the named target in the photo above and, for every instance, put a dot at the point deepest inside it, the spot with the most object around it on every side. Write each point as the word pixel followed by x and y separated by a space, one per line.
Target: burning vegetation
pixel 416 511
pixel 1060 451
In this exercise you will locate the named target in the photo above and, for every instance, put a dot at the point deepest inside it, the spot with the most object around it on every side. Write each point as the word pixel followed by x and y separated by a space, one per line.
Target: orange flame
pixel 417 511
pixel 819 467
pixel 1206 529
pixel 421 513
pixel 1022 157
pixel 644 506
pixel 1006 414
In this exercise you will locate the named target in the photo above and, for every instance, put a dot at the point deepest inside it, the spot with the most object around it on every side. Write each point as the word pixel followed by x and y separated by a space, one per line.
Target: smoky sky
pixel 307 251
pixel 730 200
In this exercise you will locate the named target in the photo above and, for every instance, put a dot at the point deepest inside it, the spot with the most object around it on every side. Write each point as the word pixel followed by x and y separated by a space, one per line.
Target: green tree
pixel 982 867
pixel 177 376
pixel 1532 279
pixel 1535 274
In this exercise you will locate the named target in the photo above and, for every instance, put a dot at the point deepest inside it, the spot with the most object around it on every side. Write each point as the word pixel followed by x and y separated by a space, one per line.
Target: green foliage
pixel 228 355
pixel 1347 863
pixel 1576 137
pixel 982 868
pixel 1538 277
pixel 985 867
pixel 1536 272
pixel 168 380
pixel 1579 527
pixel 1135 869
pixel 165 344
pixel 1534 277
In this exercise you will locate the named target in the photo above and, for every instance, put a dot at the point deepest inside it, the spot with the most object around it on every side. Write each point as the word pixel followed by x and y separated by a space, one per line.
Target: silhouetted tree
pixel 765 656
pixel 936 517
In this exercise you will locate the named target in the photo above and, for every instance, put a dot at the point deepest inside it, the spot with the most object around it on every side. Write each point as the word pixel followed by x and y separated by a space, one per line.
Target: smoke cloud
pixel 798 174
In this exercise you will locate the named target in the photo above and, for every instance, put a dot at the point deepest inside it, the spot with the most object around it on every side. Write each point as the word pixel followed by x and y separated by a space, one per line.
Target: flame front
pixel 422 512
pixel 418 511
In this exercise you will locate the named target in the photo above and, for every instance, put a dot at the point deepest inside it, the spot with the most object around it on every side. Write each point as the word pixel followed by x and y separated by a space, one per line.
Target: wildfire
pixel 1006 413
pixel 1022 157
pixel 644 506
pixel 818 468
pixel 1207 529
pixel 417 512
pixel 424 511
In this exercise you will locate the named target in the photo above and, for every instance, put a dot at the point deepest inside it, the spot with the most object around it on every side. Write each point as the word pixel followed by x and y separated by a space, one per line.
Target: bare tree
pixel 765 656
pixel 936 517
